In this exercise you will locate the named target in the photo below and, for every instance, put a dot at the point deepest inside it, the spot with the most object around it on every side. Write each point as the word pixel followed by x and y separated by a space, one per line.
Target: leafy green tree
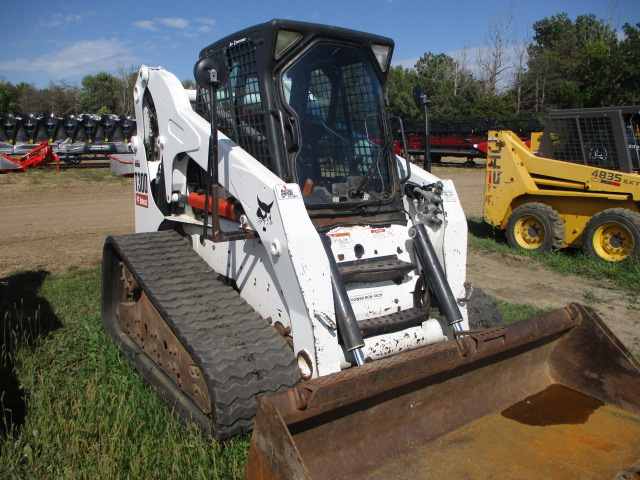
pixel 99 91
pixel 627 90
pixel 492 106
pixel 8 98
pixel 566 93
pixel 572 64
pixel 436 77
pixel 189 84
pixel 599 70
pixel 400 94
pixel 450 87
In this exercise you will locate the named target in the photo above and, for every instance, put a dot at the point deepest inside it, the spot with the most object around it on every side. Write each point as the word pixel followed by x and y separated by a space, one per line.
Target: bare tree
pixel 461 67
pixel 494 58
pixel 541 84
pixel 60 97
pixel 30 100
pixel 613 17
pixel 521 59
pixel 128 81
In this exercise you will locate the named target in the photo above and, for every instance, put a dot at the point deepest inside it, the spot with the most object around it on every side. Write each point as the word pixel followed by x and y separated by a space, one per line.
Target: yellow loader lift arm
pixel 546 204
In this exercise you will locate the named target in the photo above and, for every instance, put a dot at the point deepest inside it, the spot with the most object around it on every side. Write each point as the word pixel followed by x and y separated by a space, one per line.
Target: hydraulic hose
pixel 346 319
pixel 436 276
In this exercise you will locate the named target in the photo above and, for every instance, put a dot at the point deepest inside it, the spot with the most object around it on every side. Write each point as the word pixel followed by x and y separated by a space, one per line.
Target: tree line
pixel 100 93
pixel 566 64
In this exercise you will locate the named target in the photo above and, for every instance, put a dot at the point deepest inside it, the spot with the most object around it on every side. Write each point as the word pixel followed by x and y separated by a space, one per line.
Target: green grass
pixel 513 311
pixel 74 408
pixel 625 276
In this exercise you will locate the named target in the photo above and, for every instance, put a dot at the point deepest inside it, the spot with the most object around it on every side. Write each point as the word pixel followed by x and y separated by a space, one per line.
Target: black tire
pixel 535 226
pixel 613 235
pixel 483 311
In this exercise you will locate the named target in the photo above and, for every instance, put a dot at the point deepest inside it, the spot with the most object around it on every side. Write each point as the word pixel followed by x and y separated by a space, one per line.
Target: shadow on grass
pixel 25 318
pixel 481 229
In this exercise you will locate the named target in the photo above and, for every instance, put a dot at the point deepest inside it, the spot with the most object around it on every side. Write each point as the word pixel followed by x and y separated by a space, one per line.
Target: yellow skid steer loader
pixel 547 204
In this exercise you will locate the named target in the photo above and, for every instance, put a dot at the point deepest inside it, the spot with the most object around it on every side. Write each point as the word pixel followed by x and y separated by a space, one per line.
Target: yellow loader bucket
pixel 554 396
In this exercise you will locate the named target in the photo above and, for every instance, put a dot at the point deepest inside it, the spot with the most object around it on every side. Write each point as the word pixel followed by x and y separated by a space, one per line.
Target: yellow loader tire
pixel 535 226
pixel 613 235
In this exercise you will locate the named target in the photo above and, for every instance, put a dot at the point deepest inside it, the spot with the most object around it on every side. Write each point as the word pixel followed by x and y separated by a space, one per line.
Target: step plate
pixel 372 270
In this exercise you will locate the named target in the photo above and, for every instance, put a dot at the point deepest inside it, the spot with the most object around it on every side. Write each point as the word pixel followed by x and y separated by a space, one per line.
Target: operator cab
pixel 308 102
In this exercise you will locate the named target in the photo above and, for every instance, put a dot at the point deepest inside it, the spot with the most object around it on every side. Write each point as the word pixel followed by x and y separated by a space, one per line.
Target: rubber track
pixel 240 355
pixel 483 311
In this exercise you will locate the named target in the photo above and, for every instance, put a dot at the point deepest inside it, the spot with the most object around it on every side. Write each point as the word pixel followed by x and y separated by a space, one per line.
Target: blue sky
pixel 52 41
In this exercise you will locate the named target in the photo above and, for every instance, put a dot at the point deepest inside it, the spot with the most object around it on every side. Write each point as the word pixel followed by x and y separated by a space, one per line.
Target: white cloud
pixel 58 20
pixel 203 25
pixel 146 25
pixel 78 59
pixel 206 24
pixel 179 23
pixel 405 62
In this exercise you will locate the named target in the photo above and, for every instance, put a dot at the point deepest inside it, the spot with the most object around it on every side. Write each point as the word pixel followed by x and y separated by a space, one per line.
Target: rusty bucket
pixel 553 396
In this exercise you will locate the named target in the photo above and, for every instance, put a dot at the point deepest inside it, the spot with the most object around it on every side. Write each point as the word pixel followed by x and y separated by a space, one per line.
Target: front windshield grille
pixel 344 155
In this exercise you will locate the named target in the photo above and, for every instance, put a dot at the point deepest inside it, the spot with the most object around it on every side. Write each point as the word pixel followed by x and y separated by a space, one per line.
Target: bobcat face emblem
pixel 264 213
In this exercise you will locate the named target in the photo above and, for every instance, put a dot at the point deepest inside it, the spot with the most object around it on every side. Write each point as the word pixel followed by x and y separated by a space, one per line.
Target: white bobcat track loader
pixel 280 242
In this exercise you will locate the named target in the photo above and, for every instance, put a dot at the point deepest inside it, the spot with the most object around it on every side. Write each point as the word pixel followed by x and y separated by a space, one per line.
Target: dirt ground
pixel 60 223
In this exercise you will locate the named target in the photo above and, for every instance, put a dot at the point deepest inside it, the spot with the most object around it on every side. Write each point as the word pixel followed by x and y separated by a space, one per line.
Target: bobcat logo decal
pixel 264 213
